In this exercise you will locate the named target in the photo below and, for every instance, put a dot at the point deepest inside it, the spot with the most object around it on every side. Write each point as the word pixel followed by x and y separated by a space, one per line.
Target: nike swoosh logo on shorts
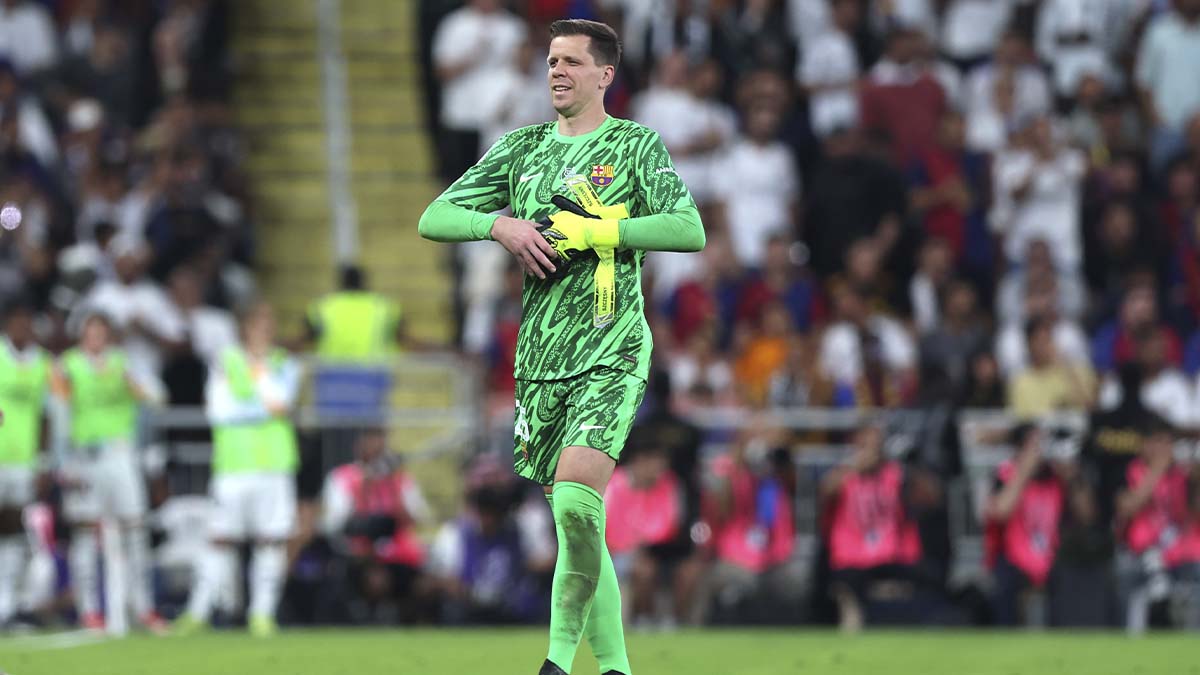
pixel 589 427
pixel 525 178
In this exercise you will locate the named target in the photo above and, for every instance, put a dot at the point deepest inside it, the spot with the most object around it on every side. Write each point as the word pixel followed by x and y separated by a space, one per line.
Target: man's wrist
pixel 489 233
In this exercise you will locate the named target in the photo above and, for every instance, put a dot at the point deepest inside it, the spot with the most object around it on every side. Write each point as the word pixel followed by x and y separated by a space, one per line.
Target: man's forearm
pixel 446 222
pixel 675 231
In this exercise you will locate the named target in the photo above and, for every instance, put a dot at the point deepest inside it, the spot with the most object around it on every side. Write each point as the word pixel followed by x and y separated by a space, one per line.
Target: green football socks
pixel 586 597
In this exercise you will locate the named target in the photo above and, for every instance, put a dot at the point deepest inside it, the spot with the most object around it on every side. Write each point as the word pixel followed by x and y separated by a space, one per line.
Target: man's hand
pixel 528 246
pixel 569 234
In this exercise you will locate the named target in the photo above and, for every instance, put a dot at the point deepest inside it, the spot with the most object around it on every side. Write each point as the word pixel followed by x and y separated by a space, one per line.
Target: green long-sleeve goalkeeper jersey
pixel 623 162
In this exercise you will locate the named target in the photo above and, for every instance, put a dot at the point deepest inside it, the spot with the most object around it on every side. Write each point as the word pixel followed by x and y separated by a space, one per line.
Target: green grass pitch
pixel 520 652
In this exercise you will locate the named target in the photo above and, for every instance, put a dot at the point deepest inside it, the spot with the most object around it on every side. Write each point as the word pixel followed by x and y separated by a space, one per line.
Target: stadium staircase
pixel 279 107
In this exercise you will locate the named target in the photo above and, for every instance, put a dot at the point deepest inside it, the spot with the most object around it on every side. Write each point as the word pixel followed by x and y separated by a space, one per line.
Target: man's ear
pixel 606 80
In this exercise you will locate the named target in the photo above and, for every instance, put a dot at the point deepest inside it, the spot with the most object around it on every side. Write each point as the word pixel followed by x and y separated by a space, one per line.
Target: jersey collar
pixel 608 120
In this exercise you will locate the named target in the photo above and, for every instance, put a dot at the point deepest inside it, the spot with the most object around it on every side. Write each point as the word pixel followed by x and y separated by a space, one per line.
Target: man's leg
pixel 273 518
pixel 217 567
pixel 582 475
pixel 81 507
pixel 132 505
pixel 12 559
pixel 83 558
pixel 604 629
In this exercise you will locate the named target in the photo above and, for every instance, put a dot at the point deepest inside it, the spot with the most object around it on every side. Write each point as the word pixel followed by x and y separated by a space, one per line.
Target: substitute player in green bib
pixel 24 386
pixel 249 398
pixel 583 349
pixel 100 396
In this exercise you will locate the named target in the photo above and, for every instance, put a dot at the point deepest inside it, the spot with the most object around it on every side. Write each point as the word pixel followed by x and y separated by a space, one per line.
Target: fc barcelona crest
pixel 602 174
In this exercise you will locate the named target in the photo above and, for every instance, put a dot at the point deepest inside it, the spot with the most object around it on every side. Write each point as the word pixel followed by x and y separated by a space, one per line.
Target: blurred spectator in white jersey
pixel 972 28
pixel 758 186
pixel 680 104
pixel 139 310
pixel 919 15
pixel 1165 389
pixel 27 36
pixel 471 50
pixel 828 70
pixel 1037 186
pixel 1041 302
pixel 809 19
pixel 999 94
pixel 521 101
pixel 1073 37
pixel 1166 76
pixel 33 133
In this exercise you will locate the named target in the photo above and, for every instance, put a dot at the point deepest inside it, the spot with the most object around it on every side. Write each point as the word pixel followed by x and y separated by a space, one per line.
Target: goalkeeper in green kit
pixel 583 349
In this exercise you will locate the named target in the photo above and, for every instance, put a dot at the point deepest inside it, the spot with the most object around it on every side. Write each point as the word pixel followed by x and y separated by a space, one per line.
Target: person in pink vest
pixel 1031 497
pixel 872 538
pixel 749 530
pixel 371 510
pixel 647 532
pixel 1158 518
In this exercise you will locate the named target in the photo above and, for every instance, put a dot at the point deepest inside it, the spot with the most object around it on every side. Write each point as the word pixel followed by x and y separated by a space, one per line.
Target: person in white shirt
pixel 518 98
pixel 935 270
pixel 681 106
pixel 1041 300
pixel 758 186
pixel 1073 37
pixel 846 342
pixel 1165 389
pixel 208 330
pixel 696 128
pixel 471 50
pixel 250 398
pixel 27 36
pixel 33 131
pixel 972 28
pixel 1037 195
pixel 998 95
pixel 917 14
pixel 828 70
pixel 1166 76
pixel 138 308
pixel 809 19
pixel 1038 271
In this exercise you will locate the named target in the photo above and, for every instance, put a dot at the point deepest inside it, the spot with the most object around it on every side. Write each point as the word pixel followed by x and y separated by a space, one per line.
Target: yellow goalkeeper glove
pixel 570 234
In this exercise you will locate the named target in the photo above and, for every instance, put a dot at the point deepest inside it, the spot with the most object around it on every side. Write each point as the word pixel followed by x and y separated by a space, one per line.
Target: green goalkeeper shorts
pixel 593 409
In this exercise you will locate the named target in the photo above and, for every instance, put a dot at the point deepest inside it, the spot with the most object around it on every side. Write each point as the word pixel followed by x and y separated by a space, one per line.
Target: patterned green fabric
pixel 593 410
pixel 246 447
pixel 23 385
pixel 625 163
pixel 103 405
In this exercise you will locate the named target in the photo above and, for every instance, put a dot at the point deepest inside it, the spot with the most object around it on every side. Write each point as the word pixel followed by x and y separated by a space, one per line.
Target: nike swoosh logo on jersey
pixel 589 427
pixel 525 178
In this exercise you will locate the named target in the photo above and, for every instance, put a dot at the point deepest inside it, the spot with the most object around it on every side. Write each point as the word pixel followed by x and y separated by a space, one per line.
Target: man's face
pixel 19 328
pixel 1041 347
pixel 95 335
pixel 576 81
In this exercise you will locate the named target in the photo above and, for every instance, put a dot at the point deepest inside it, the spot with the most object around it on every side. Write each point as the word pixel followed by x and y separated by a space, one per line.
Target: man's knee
pixel 586 466
pixel 579 514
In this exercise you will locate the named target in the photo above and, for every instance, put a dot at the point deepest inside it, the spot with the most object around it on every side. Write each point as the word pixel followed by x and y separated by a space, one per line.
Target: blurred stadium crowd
pixel 912 206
